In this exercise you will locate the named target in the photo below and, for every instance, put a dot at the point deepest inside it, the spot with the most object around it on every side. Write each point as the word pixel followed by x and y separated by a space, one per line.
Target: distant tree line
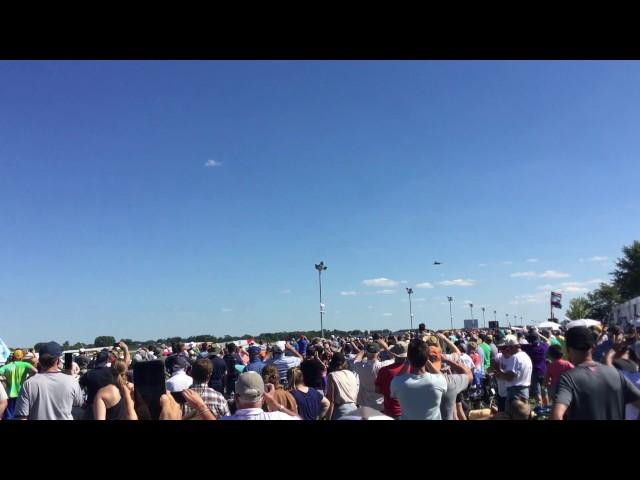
pixel 108 341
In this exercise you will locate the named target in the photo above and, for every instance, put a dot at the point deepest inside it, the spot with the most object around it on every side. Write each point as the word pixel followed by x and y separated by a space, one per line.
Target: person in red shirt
pixel 556 368
pixel 386 374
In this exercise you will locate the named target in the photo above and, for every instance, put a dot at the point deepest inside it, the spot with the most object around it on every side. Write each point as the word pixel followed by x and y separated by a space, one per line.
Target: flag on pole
pixel 322 307
pixel 556 298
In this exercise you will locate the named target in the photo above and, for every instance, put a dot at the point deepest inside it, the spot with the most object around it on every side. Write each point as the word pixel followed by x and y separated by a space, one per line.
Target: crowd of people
pixel 579 373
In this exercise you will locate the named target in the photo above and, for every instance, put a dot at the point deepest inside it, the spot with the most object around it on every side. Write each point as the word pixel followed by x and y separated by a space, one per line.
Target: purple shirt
pixel 536 352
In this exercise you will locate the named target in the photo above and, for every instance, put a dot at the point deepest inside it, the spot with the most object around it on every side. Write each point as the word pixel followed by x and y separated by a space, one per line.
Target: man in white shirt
pixel 515 368
pixel 367 371
pixel 250 395
pixel 179 380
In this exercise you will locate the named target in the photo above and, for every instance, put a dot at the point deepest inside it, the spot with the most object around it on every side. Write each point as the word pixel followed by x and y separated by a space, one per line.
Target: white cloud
pixel 348 294
pixel 531 260
pixel 286 290
pixel 380 282
pixel 569 287
pixel 573 289
pixel 212 163
pixel 595 281
pixel 424 285
pixel 459 282
pixel 523 274
pixel 597 259
pixel 226 310
pixel 404 282
pixel 553 274
pixel 385 292
pixel 387 314
pixel 483 264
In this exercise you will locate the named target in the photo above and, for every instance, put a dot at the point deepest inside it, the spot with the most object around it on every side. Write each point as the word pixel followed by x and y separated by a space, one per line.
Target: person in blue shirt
pixel 255 363
pixel 303 343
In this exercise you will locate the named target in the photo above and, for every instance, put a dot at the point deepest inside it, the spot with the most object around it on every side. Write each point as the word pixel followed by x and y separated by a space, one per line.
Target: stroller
pixel 478 397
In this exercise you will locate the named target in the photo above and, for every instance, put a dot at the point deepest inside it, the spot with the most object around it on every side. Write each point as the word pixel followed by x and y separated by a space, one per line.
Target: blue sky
pixel 149 199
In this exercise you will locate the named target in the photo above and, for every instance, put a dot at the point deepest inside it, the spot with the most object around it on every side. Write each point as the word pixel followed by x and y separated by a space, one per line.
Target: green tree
pixel 626 277
pixel 602 300
pixel 104 341
pixel 579 308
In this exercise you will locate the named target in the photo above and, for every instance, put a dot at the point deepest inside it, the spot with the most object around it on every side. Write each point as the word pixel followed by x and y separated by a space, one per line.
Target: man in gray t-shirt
pixel 591 391
pixel 457 382
pixel 49 395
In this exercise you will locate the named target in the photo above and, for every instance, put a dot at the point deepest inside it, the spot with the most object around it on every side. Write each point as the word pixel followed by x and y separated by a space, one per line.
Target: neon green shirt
pixel 487 355
pixel 16 374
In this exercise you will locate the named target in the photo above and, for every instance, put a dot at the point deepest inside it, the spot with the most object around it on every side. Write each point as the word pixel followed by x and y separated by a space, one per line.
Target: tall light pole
pixel 507 315
pixel 495 315
pixel 450 299
pixel 409 292
pixel 484 322
pixel 471 308
pixel 320 267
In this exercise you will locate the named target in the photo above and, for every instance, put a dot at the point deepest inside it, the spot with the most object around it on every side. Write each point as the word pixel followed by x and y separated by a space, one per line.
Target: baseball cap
pixel 400 349
pixel 215 350
pixel 250 386
pixel 181 363
pixel 276 349
pixel 51 348
pixel 253 350
pixel 372 348
pixel 18 354
pixel 579 338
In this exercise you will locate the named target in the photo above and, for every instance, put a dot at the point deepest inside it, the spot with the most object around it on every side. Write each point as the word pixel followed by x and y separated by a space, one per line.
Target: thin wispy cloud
pixel 570 287
pixel 531 260
pixel 226 310
pixel 386 292
pixel 483 264
pixel 387 314
pixel 424 285
pixel 286 290
pixel 404 282
pixel 595 258
pixel 380 282
pixel 523 274
pixel 529 298
pixel 553 274
pixel 349 294
pixel 212 163
pixel 459 282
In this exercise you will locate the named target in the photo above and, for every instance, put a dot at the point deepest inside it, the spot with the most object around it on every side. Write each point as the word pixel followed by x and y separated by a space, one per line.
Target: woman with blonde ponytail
pixel 115 401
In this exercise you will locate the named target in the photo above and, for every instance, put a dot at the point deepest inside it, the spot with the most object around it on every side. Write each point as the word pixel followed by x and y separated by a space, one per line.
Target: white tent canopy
pixel 583 322
pixel 551 325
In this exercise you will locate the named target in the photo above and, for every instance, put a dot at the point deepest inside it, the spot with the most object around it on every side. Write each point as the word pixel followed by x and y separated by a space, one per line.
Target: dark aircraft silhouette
pixel 437 263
